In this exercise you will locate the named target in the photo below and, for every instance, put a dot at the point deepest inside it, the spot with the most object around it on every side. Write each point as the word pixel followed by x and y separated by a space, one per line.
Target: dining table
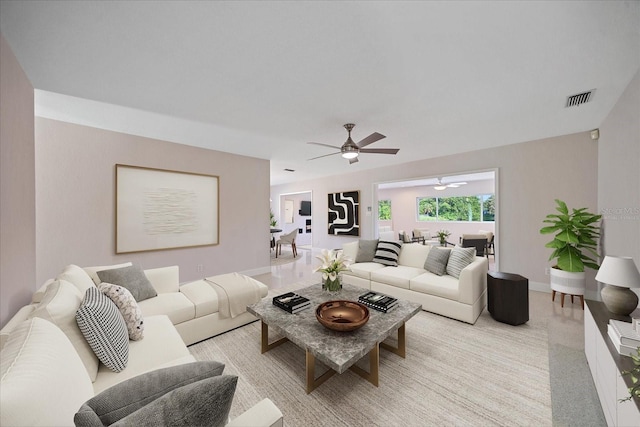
pixel 273 239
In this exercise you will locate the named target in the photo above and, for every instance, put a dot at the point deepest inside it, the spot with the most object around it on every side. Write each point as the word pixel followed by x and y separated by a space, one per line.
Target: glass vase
pixel 332 286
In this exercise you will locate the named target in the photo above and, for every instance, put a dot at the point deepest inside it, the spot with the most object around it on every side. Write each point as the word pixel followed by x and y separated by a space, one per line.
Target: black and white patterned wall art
pixel 344 213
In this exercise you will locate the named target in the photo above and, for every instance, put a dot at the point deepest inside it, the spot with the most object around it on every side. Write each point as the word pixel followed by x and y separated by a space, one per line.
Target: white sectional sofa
pixel 462 298
pixel 49 370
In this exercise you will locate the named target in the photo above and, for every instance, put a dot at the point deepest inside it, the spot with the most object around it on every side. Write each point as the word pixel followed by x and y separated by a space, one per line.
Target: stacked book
pixel 377 301
pixel 624 337
pixel 291 302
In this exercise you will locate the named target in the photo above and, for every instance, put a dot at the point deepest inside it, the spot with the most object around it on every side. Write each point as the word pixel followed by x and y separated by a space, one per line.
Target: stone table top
pixel 337 350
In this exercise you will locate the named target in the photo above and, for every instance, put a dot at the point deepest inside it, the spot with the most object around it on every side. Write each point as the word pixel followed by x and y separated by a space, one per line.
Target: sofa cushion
pixel 77 277
pixel 104 328
pixel 387 253
pixel 132 278
pixel 176 305
pixel 440 286
pixel 44 382
pixel 396 276
pixel 59 305
pixel 437 259
pixel 363 269
pixel 161 347
pixel 128 307
pixel 366 250
pixel 350 250
pixel 459 259
pixel 202 296
pixel 413 255
pixel 93 271
pixel 127 397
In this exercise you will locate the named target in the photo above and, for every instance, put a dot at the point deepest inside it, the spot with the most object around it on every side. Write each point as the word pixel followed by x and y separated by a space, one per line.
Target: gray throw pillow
pixel 388 253
pixel 127 398
pixel 459 259
pixel 436 261
pixel 132 278
pixel 366 250
pixel 104 328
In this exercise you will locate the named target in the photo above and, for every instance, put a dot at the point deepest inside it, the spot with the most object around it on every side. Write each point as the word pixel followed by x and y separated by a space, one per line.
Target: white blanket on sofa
pixel 235 292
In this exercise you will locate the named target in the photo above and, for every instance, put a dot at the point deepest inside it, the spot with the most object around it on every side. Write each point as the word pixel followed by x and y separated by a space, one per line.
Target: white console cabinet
pixel 606 364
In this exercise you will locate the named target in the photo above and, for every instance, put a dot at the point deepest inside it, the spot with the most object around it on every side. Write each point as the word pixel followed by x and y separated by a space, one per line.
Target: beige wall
pixel 531 175
pixel 75 178
pixel 619 175
pixel 17 186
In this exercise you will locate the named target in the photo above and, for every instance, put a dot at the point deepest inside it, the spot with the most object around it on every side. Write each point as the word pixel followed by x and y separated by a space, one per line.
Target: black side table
pixel 508 297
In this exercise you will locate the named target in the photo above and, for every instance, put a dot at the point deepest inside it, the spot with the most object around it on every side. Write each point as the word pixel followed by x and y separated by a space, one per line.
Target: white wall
pixel 531 175
pixel 619 175
pixel 17 186
pixel 75 220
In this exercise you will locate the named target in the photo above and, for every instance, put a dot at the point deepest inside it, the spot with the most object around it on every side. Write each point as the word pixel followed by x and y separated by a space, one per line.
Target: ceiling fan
pixel 441 186
pixel 350 150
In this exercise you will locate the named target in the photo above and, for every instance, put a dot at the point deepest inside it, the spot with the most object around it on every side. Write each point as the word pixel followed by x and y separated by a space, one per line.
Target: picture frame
pixel 159 209
pixel 344 213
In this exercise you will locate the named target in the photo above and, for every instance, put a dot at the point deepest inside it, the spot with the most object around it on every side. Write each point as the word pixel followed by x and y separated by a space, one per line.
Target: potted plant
pixel 574 245
pixel 272 219
pixel 333 263
pixel 442 236
pixel 634 373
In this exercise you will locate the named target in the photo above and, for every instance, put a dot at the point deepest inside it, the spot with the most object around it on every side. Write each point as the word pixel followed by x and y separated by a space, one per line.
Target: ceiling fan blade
pixel 354 160
pixel 326 155
pixel 370 139
pixel 324 145
pixel 379 150
pixel 456 184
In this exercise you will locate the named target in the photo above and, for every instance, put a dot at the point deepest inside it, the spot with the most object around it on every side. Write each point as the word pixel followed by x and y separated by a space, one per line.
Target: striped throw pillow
pixel 459 259
pixel 104 329
pixel 436 262
pixel 387 253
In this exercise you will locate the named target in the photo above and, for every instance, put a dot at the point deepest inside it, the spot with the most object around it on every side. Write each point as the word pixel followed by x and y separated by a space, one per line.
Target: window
pixel 460 208
pixel 384 210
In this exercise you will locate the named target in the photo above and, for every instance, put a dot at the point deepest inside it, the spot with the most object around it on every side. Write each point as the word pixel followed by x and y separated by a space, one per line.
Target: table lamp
pixel 619 274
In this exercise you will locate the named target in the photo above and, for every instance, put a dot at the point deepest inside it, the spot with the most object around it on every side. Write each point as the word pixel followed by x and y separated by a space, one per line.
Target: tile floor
pixel 565 331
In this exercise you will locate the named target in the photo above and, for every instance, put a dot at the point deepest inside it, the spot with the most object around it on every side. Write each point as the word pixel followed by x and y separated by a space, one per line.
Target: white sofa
pixel 48 369
pixel 462 299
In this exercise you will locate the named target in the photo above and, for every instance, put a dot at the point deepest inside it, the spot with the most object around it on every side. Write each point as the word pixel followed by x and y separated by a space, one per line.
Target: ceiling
pixel 264 78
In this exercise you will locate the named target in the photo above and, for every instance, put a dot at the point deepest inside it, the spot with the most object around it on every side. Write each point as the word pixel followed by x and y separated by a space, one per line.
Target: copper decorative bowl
pixel 342 315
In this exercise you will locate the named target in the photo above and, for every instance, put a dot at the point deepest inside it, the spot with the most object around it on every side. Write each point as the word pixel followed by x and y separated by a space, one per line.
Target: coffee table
pixel 337 350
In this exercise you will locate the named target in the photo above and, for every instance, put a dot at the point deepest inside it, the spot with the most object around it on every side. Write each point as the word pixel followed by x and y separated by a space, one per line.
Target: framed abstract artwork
pixel 344 213
pixel 164 209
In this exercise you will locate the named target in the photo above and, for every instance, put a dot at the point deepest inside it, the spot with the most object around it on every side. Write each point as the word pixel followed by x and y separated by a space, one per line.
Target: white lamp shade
pixel 619 271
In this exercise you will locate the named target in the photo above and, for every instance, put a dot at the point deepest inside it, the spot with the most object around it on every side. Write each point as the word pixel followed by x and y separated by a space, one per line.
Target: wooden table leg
pixel 374 367
pixel 265 340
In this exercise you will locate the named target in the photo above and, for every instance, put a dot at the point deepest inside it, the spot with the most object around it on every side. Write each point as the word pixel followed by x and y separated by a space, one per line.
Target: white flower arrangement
pixel 333 262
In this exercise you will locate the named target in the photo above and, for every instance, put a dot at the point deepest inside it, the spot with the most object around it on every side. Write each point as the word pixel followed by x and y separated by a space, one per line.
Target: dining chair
pixel 288 239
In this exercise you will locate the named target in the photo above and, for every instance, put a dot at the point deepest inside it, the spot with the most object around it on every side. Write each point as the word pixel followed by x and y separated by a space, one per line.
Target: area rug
pixel 454 374
pixel 285 258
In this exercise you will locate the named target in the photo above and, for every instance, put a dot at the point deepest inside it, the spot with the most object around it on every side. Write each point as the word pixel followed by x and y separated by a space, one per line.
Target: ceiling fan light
pixel 440 187
pixel 350 154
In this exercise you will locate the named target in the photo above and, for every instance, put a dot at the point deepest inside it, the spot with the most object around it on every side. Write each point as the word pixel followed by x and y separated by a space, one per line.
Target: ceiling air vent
pixel 580 98
pixel 289 170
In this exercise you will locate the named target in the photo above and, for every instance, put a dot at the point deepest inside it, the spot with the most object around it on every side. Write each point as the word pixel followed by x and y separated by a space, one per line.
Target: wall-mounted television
pixel 305 208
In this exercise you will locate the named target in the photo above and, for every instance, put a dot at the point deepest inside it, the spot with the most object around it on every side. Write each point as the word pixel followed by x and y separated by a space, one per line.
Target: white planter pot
pixel 567 282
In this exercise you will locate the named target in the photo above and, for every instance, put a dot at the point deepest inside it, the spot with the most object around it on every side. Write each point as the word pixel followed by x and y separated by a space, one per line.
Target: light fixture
pixel 350 154
pixel 440 187
pixel 619 274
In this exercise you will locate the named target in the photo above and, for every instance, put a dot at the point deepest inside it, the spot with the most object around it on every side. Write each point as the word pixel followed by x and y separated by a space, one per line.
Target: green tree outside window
pixel 384 210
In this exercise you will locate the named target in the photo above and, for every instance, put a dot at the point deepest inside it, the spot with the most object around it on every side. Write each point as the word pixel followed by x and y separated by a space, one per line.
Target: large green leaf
pixel 569 260
pixel 550 229
pixel 562 207
pixel 567 236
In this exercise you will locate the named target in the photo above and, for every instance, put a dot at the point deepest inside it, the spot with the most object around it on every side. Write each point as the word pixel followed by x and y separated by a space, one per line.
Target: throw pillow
pixel 125 399
pixel 132 278
pixel 366 250
pixel 93 271
pixel 104 329
pixel 387 253
pixel 459 259
pixel 436 262
pixel 128 307
pixel 77 277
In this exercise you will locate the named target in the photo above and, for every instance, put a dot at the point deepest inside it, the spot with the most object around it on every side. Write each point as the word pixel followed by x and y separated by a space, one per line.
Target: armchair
pixel 288 239
pixel 478 241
